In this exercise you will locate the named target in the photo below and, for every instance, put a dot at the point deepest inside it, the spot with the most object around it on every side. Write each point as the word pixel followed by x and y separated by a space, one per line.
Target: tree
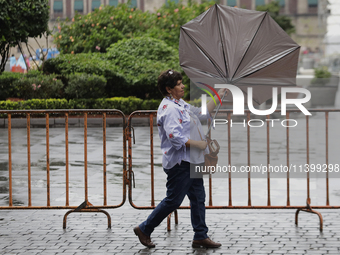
pixel 96 31
pixel 20 20
pixel 273 8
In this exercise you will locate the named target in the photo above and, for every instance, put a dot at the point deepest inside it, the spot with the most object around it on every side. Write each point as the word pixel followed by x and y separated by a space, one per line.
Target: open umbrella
pixel 240 47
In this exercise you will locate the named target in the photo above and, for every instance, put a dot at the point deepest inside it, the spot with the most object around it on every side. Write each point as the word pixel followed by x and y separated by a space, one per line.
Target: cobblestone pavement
pixel 239 231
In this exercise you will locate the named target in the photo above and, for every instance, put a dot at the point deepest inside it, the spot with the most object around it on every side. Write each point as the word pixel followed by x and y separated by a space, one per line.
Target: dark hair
pixel 169 79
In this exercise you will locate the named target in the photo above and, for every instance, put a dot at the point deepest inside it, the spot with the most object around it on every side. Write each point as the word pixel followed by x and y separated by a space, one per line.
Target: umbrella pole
pixel 218 108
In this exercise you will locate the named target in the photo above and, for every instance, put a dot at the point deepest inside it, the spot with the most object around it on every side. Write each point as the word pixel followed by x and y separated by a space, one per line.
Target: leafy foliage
pixel 96 31
pixel 131 66
pixel 121 47
pixel 126 105
pixel 85 86
pixel 65 64
pixel 42 86
pixel 7 84
pixel 20 20
pixel 322 72
pixel 321 76
pixel 91 63
pixel 31 85
pixel 142 47
pixel 140 61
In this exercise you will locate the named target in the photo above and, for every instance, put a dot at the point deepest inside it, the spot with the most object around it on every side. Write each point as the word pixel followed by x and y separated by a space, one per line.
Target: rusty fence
pixel 66 115
pixel 129 171
pixel 308 207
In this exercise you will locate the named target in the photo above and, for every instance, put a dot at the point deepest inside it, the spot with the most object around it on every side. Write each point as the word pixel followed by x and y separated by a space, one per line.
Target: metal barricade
pixel 86 206
pixel 306 208
pixel 128 169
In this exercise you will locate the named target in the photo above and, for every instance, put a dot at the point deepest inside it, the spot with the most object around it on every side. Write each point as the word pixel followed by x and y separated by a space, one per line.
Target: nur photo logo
pixel 238 99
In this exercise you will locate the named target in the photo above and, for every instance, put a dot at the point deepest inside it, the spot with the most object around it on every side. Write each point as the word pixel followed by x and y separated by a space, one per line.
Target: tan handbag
pixel 211 158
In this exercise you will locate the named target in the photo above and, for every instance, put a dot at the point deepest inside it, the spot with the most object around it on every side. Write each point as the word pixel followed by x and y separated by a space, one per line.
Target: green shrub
pixel 142 47
pixel 7 87
pixel 97 30
pixel 196 102
pixel 322 72
pixel 40 86
pixel 80 103
pixel 9 105
pixel 321 76
pixel 44 104
pixel 131 66
pixel 33 74
pixel 140 61
pixel 53 65
pixel 35 104
pixel 91 63
pixel 126 105
pixel 82 85
pixel 151 104
pixel 65 64
pixel 31 85
pixel 56 103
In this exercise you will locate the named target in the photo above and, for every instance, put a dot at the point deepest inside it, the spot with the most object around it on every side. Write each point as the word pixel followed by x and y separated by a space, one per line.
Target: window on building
pixel 79 5
pixel 95 4
pixel 260 2
pixel 232 3
pixel 282 3
pixel 58 6
pixel 313 3
pixel 113 3
pixel 133 3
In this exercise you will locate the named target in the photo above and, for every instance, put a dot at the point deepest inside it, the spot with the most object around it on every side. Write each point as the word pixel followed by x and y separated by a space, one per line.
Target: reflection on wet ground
pixel 114 163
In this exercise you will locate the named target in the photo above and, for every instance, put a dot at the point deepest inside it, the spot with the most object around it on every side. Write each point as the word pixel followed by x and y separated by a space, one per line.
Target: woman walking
pixel 180 132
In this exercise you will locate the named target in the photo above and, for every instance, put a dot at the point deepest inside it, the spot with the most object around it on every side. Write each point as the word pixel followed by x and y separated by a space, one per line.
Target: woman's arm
pixel 197 144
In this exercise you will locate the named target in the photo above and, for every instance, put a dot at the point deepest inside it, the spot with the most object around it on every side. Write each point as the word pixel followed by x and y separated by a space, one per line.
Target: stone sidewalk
pixel 239 231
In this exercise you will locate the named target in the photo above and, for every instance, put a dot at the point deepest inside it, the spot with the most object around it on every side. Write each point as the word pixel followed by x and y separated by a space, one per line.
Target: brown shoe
pixel 144 239
pixel 205 243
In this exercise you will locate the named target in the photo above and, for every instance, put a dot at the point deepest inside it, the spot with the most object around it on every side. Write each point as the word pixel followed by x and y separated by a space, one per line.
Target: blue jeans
pixel 178 185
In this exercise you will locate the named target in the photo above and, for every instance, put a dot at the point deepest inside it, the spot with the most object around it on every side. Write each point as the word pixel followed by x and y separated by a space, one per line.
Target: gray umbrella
pixel 241 47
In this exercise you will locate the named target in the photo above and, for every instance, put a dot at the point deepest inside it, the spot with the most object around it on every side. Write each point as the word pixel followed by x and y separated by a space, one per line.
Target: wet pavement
pixel 239 232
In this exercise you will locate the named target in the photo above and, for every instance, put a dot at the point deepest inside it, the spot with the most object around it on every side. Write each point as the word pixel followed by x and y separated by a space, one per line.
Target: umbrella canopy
pixel 240 47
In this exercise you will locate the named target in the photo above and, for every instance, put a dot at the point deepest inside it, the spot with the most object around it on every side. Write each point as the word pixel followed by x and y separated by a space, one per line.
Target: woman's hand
pixel 221 92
